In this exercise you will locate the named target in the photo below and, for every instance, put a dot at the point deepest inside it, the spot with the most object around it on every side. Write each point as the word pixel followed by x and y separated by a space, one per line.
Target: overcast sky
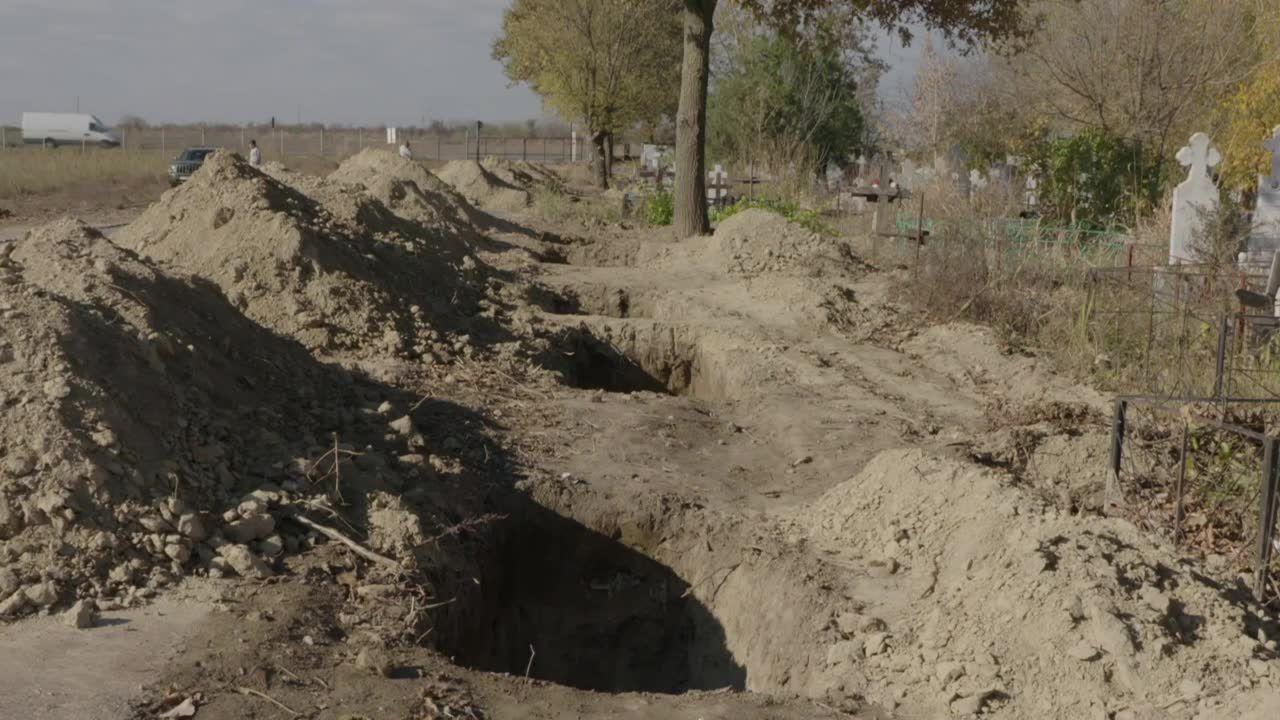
pixel 344 61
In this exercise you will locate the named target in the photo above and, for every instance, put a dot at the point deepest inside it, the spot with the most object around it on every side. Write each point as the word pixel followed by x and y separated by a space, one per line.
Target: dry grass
pixel 30 171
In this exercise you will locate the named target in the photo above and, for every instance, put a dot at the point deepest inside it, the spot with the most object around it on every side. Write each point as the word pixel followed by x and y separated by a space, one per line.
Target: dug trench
pixel 615 593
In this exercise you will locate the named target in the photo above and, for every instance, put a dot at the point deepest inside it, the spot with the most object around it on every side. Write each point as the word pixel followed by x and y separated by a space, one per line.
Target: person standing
pixel 405 152
pixel 255 154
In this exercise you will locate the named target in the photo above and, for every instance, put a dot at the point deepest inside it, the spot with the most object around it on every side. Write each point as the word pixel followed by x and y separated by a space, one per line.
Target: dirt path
pixel 49 670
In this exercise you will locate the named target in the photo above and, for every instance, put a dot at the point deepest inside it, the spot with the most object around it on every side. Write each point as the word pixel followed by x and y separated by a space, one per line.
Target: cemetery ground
pixel 554 463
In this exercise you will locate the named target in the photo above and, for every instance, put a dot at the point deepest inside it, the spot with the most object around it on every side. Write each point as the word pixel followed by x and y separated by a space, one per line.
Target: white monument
pixel 976 181
pixel 1193 198
pixel 391 136
pixel 1265 235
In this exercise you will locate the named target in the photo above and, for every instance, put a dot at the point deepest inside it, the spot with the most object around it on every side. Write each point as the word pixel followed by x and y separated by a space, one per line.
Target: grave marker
pixel 717 186
pixel 1266 218
pixel 1194 197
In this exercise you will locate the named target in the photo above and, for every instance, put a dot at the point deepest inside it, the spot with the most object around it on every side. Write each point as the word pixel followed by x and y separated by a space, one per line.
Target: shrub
pixel 661 208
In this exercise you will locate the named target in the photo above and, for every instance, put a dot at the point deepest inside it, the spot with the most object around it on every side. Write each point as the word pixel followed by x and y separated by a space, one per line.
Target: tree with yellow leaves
pixel 1253 110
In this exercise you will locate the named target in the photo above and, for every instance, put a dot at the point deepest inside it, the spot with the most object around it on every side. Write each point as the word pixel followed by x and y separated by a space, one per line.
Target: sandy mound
pixel 757 242
pixel 483 188
pixel 137 406
pixel 995 601
pixel 290 264
pixel 526 175
pixel 972 355
pixel 410 191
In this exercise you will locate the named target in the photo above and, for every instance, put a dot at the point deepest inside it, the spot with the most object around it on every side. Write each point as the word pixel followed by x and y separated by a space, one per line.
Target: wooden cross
pixel 1199 156
pixel 718 190
pixel 1273 145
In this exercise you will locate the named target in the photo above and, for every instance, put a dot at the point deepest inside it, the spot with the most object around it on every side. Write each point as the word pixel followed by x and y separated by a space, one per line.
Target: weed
pixel 660 208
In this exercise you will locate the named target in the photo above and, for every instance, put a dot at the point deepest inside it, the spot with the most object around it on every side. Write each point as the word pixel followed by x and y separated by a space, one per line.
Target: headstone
pixel 717 186
pixel 976 181
pixel 391 136
pixel 1194 197
pixel 862 166
pixel 907 180
pixel 1029 197
pixel 1265 236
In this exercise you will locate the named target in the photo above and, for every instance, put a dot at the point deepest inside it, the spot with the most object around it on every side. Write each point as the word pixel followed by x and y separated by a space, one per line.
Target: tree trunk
pixel 608 156
pixel 598 163
pixel 691 120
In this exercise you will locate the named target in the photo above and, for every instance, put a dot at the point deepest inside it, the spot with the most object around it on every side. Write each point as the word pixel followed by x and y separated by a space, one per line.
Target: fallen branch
pixel 354 546
pixel 268 698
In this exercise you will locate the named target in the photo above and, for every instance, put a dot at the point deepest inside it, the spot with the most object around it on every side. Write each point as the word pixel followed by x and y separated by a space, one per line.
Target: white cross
pixel 1273 145
pixel 1199 155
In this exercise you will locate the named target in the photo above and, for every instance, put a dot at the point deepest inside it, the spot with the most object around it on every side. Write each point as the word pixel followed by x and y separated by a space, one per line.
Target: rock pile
pixel 357 284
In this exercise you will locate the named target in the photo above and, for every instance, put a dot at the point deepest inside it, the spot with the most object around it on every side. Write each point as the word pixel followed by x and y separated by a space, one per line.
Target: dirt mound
pixel 483 188
pixel 757 242
pixel 985 599
pixel 524 174
pixel 973 355
pixel 137 406
pixel 290 264
pixel 410 191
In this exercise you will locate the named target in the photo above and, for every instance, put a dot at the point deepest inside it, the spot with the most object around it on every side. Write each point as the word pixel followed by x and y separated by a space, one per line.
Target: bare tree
pixel 1142 69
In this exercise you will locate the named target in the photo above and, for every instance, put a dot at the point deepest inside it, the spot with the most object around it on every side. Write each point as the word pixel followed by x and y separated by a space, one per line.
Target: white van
pixel 54 129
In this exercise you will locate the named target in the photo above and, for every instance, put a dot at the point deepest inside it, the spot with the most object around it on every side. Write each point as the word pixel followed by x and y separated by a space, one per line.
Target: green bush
pixel 661 209
pixel 810 220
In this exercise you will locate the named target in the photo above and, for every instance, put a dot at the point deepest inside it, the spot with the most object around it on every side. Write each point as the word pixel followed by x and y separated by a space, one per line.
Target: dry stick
pixel 268 698
pixel 529 667
pixel 355 547
pixel 337 471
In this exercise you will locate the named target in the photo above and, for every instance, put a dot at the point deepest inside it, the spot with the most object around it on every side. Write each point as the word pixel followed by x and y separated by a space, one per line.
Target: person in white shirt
pixel 255 154
pixel 405 152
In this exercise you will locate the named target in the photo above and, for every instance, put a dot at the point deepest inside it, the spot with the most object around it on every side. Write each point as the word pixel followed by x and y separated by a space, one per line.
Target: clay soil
pixel 599 473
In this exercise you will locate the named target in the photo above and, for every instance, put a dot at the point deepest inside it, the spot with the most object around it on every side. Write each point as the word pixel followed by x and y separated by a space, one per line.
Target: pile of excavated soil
pixel 757 242
pixel 973 355
pixel 290 264
pixel 982 599
pixel 410 191
pixel 148 428
pixel 483 188
pixel 524 174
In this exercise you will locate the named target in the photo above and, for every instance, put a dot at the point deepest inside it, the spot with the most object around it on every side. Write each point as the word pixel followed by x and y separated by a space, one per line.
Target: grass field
pixel 28 171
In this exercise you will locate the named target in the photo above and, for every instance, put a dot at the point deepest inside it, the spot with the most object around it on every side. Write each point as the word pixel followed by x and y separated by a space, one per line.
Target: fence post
pixel 1220 368
pixel 524 149
pixel 1117 451
pixel 321 141
pixel 1179 511
pixel 439 156
pixel 162 139
pixel 241 139
pixel 4 140
pixel 1266 515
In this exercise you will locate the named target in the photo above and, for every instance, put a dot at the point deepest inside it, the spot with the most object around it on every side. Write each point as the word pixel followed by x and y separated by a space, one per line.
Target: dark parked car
pixel 187 163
